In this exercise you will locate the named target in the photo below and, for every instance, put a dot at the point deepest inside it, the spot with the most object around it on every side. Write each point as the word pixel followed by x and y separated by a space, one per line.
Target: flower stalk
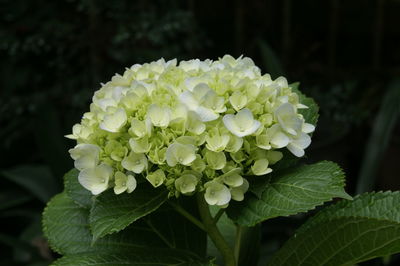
pixel 214 233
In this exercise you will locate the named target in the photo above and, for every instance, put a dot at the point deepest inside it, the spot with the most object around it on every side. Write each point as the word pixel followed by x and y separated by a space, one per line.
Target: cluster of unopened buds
pixel 197 126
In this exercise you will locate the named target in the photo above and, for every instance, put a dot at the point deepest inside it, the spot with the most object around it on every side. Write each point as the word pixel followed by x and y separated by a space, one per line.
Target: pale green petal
pixel 186 184
pixel 238 156
pixel 234 144
pixel 156 178
pixel 131 184
pixel 200 91
pixel 263 141
pixel 135 162
pixel 140 146
pixel 217 143
pixel 180 111
pixel 238 100
pixel 274 156
pixel 183 154
pixel 194 124
pixel 140 129
pixel 120 180
pixel 159 116
pixel 233 180
pixel 238 192
pixel 215 160
pixel 260 167
pixel 198 165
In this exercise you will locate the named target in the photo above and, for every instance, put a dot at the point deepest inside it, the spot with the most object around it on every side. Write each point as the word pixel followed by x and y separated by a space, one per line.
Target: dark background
pixel 54 54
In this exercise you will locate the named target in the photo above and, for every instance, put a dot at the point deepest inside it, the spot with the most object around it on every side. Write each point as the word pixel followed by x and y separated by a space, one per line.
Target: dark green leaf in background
pixel 270 59
pixel 379 139
pixel 38 180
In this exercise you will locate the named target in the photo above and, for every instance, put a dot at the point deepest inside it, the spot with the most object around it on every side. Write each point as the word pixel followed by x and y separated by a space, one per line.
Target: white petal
pixel 301 106
pixel 253 128
pixel 95 179
pixel 200 91
pixel 206 114
pixel 130 184
pixel 224 196
pixel 229 122
pixel 279 140
pixel 282 82
pixel 188 99
pixel 296 150
pixel 308 128
pixel 114 122
pixel 303 141
pixel 244 118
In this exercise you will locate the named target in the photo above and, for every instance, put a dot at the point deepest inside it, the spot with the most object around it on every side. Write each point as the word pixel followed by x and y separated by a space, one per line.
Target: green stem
pixel 214 233
pixel 188 216
pixel 238 241
pixel 218 215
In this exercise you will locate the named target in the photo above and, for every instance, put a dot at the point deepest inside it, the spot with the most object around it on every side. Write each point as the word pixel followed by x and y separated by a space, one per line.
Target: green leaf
pixel 11 198
pixel 291 191
pixel 66 226
pixel 75 190
pixel 148 257
pixel 346 233
pixel 38 180
pixel 311 113
pixel 177 231
pixel 378 141
pixel 111 213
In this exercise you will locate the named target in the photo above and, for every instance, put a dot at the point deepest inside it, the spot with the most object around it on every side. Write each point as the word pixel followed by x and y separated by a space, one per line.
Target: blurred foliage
pixel 54 54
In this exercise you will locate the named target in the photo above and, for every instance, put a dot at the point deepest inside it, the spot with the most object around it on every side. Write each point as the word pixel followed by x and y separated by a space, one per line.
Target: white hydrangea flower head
pixel 194 127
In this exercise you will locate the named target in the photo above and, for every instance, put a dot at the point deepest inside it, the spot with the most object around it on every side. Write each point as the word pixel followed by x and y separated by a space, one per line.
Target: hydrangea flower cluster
pixel 194 126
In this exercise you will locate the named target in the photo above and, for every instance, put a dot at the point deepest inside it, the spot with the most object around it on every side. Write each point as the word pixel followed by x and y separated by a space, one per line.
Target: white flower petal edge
pixel 96 179
pixel 85 155
pixel 242 124
pixel 217 194
pixel 115 121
